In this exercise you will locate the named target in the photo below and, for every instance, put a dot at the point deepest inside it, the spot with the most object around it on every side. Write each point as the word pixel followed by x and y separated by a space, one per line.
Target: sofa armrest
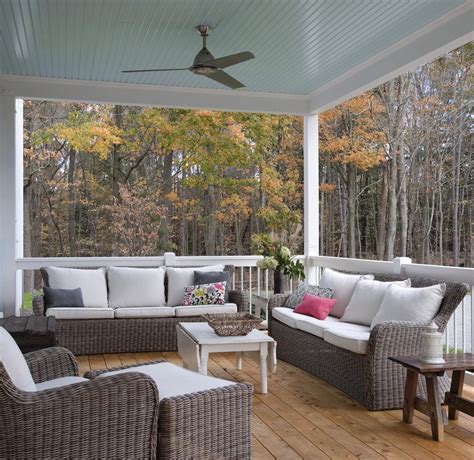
pixel 276 300
pixel 111 417
pixel 51 363
pixel 395 338
pixel 241 299
pixel 38 305
pixel 96 373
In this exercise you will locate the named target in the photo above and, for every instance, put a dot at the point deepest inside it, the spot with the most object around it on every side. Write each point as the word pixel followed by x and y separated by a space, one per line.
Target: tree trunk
pixel 351 208
pixel 72 203
pixel 211 222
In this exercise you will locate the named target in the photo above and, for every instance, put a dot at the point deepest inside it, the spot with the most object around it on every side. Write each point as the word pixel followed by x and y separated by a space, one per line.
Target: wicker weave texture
pixel 371 379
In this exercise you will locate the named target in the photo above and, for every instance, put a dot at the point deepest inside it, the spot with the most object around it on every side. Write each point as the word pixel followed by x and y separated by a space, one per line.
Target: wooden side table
pixel 31 333
pixel 458 363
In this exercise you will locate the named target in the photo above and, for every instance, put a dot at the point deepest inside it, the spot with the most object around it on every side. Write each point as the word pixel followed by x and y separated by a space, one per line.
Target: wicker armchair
pixel 113 417
pixel 117 416
pixel 371 379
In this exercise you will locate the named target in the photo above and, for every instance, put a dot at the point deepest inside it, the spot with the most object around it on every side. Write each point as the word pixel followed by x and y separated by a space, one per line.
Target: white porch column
pixel 11 202
pixel 311 193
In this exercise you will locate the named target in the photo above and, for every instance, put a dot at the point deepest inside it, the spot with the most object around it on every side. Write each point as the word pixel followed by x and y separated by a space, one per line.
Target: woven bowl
pixel 232 324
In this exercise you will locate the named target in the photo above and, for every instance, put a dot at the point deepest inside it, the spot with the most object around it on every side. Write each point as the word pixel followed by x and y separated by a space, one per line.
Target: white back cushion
pixel 14 363
pixel 343 285
pixel 179 278
pixel 410 304
pixel 92 283
pixel 366 300
pixel 136 287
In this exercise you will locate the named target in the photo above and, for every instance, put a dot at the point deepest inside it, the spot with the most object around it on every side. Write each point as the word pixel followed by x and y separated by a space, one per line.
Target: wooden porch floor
pixel 303 417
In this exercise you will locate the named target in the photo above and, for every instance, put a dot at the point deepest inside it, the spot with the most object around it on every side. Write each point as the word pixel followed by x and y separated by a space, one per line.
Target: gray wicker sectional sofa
pixel 359 366
pixel 114 333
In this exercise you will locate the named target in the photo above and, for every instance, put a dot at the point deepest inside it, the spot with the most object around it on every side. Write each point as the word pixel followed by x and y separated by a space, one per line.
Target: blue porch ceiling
pixel 299 45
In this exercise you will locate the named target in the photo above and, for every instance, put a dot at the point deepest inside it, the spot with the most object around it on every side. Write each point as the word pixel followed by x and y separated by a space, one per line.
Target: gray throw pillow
pixel 295 298
pixel 60 298
pixel 213 277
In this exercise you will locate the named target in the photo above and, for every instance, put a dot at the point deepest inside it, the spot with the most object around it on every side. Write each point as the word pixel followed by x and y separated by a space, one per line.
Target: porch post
pixel 311 194
pixel 11 202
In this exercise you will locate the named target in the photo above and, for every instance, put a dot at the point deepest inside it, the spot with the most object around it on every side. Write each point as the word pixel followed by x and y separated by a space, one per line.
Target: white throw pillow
pixel 92 283
pixel 366 300
pixel 136 287
pixel 14 363
pixel 410 304
pixel 179 278
pixel 343 285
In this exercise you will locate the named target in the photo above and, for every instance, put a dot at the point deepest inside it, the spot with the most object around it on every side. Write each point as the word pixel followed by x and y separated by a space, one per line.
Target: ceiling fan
pixel 205 64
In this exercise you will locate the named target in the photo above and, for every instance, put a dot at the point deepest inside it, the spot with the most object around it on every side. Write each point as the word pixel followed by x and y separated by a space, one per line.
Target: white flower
pixel 285 252
pixel 268 263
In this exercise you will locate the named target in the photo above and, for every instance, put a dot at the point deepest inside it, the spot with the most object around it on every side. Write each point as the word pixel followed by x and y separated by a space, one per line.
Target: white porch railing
pixel 247 276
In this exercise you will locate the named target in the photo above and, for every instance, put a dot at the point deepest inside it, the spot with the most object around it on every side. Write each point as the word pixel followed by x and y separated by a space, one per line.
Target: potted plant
pixel 277 258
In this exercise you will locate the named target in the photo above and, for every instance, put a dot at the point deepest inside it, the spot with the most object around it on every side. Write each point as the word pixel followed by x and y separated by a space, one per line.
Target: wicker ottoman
pixel 212 419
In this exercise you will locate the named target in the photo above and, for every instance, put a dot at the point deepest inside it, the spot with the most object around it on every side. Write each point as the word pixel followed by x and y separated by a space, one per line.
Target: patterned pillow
pixel 295 298
pixel 205 294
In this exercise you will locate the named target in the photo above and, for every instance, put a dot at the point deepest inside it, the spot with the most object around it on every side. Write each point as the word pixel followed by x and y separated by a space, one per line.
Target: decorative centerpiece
pixel 277 258
pixel 232 324
pixel 432 345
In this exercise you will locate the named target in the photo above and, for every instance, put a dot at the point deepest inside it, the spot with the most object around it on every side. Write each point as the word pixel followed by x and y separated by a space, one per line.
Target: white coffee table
pixel 197 340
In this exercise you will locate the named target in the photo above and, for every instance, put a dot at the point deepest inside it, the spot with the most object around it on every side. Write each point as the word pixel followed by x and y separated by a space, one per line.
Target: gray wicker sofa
pixel 125 335
pixel 369 377
pixel 118 416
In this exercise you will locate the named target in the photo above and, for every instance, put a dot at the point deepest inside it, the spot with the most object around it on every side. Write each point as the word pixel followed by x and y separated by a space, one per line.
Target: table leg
pixel 410 396
pixel 457 383
pixel 437 428
pixel 204 360
pixel 263 367
pixel 238 360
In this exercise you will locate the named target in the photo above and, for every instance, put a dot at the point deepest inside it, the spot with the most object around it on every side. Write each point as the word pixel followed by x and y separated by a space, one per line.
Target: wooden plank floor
pixel 303 417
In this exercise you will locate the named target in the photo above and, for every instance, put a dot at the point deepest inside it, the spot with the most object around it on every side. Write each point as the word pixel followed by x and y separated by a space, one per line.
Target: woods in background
pixel 395 173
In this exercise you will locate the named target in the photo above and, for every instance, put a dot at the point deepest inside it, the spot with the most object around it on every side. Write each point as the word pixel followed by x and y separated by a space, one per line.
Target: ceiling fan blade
pixel 232 59
pixel 224 78
pixel 153 70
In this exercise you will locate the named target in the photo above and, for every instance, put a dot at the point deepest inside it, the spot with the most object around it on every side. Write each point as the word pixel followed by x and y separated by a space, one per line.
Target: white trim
pixel 311 192
pixel 448 32
pixel 11 196
pixel 151 95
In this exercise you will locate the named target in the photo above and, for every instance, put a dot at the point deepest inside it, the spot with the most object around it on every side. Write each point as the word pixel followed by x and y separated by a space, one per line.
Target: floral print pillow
pixel 205 294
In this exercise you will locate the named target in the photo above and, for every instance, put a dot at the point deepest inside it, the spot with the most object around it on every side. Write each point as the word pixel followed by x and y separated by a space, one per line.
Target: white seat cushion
pixel 197 310
pixel 343 285
pixel 366 300
pixel 61 382
pixel 173 380
pixel 286 316
pixel 92 283
pixel 14 363
pixel 81 313
pixel 349 339
pixel 136 287
pixel 315 326
pixel 148 312
pixel 179 278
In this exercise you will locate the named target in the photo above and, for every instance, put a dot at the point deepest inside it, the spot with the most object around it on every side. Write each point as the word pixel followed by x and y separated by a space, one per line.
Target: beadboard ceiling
pixel 300 45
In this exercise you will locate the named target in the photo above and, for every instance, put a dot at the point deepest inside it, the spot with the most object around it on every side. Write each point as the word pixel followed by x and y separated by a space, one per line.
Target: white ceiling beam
pixel 437 38
pixel 151 95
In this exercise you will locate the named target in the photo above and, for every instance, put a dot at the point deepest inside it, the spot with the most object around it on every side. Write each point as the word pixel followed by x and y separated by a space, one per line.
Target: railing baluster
pixel 250 289
pixel 258 280
pixel 233 280
pixel 241 278
pixel 455 331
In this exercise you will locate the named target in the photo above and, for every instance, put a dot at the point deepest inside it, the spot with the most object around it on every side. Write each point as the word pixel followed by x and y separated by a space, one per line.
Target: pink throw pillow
pixel 315 306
